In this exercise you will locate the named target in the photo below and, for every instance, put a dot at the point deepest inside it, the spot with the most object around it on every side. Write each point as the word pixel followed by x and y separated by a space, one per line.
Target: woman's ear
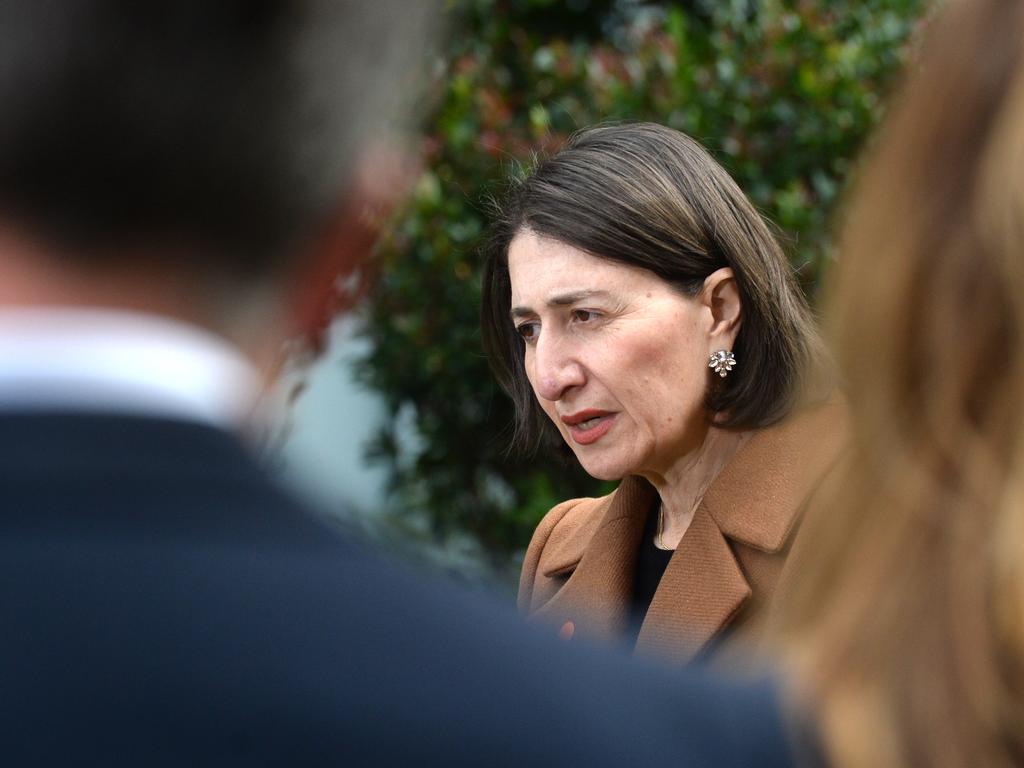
pixel 721 296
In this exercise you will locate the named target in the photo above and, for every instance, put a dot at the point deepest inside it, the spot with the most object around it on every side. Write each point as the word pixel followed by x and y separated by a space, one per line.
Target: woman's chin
pixel 600 471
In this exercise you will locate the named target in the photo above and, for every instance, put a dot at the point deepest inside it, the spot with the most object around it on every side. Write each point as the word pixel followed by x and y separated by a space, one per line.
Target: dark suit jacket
pixel 162 602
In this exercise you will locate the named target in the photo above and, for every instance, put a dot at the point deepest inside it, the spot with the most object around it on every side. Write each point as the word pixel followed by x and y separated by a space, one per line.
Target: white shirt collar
pixel 117 361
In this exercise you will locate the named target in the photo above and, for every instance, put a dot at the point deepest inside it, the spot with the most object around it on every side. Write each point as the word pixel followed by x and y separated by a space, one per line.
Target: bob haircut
pixel 651 197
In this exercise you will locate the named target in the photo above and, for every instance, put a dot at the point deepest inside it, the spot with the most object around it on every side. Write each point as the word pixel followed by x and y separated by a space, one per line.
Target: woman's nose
pixel 556 368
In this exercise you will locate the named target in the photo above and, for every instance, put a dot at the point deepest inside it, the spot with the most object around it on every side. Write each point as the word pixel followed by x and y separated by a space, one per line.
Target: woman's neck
pixel 682 487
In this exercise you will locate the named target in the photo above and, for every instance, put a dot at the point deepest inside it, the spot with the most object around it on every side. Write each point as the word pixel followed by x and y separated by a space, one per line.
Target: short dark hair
pixel 217 130
pixel 648 196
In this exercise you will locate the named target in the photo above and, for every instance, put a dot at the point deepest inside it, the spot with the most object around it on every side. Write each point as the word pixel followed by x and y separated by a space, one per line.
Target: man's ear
pixel 333 261
pixel 336 271
pixel 721 296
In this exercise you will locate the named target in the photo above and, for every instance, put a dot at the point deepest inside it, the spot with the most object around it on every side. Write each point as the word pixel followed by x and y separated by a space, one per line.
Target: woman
pixel 635 301
pixel 908 621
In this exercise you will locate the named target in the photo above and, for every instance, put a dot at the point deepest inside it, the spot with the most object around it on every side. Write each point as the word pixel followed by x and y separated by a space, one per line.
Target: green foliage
pixel 783 94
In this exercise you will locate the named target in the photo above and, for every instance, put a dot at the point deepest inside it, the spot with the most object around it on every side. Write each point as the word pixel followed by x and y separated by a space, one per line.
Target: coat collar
pixel 755 501
pixel 757 498
pixel 701 589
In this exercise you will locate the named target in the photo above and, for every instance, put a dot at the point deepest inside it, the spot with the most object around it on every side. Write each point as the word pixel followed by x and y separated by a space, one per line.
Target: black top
pixel 164 603
pixel 651 563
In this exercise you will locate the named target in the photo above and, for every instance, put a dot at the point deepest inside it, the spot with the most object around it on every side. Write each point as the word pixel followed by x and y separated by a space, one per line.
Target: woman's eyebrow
pixel 561 300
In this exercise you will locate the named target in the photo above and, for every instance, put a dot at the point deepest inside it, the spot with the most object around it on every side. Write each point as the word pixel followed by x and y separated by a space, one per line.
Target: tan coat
pixel 578 571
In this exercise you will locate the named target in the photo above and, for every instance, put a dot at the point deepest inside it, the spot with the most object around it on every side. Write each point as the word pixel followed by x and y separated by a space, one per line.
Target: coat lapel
pixel 755 501
pixel 595 599
pixel 703 587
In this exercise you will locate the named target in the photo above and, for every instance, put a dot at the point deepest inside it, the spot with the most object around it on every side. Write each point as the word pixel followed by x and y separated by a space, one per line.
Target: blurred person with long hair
pixel 638 309
pixel 906 624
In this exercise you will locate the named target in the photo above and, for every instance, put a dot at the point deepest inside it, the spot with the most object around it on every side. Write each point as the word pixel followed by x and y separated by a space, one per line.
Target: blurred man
pixel 176 181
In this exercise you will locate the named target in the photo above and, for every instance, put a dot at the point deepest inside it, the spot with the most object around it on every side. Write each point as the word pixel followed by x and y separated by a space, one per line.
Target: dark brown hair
pixel 651 197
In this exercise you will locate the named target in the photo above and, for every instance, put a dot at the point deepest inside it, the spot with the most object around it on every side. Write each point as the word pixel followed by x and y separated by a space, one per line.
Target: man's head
pixel 210 139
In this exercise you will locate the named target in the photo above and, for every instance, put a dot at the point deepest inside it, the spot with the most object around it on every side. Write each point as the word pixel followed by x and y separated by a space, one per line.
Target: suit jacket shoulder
pixel 166 604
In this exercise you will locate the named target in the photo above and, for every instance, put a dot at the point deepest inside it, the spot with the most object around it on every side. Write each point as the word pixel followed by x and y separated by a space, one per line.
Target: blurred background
pixel 398 427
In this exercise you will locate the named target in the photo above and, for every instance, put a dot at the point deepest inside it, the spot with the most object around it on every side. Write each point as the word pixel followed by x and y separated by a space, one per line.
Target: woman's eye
pixel 528 331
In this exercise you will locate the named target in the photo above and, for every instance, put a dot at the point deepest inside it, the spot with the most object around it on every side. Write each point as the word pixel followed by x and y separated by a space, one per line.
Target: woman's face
pixel 617 358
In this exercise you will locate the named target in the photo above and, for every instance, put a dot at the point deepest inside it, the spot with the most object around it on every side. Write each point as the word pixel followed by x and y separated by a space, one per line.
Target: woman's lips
pixel 587 427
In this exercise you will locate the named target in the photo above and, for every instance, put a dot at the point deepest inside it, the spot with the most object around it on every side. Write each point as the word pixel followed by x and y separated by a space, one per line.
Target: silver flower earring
pixel 722 362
